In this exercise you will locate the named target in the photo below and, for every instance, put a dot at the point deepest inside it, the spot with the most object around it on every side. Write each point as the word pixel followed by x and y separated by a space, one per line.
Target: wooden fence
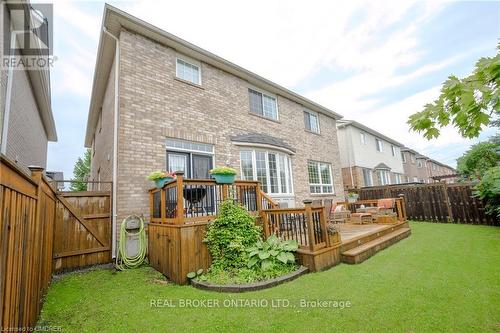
pixel 438 202
pixel 38 233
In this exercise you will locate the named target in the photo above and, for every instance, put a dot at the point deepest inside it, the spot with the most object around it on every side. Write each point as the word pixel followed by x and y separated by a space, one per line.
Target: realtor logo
pixel 27 35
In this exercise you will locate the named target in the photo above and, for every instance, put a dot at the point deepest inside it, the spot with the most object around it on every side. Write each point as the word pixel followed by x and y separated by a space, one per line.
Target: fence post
pixel 309 222
pixel 258 197
pixel 180 197
pixel 447 201
pixel 324 228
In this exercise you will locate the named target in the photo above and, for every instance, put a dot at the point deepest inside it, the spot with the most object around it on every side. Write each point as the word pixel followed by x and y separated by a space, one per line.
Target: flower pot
pixel 352 199
pixel 160 182
pixel 224 179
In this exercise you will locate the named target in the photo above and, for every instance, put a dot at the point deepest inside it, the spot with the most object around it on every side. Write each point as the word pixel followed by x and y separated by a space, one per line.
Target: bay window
pixel 271 168
pixel 320 177
pixel 384 177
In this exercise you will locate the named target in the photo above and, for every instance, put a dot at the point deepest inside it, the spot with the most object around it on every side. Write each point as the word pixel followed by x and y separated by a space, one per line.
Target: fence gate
pixel 82 229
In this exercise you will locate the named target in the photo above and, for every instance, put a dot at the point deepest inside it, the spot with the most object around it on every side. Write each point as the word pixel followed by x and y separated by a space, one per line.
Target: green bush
pixel 272 253
pixel 229 235
pixel 488 189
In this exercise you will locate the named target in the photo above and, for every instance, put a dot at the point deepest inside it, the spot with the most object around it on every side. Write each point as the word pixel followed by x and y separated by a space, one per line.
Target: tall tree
pixel 81 171
pixel 469 104
pixel 478 159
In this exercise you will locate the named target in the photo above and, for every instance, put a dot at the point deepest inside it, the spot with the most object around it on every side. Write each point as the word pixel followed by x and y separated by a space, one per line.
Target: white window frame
pixel 420 164
pixel 382 176
pixel 320 184
pixel 263 93
pixel 288 170
pixel 190 62
pixel 190 152
pixel 403 157
pixel 393 150
pixel 370 174
pixel 397 178
pixel 362 136
pixel 314 114
pixel 381 146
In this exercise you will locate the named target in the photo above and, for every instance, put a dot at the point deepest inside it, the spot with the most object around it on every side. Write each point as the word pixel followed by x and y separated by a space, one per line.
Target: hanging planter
pixel 161 178
pixel 223 175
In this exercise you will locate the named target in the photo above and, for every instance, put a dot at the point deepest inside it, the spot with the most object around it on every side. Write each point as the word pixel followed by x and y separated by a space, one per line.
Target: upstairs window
pixel 262 104
pixel 188 71
pixel 419 163
pixel 320 177
pixel 403 156
pixel 380 145
pixel 412 156
pixel 311 121
pixel 362 136
pixel 393 150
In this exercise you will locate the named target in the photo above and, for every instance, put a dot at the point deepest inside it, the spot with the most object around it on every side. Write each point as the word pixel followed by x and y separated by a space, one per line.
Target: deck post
pixel 309 223
pixel 324 227
pixel 180 197
pixel 402 207
pixel 163 205
pixel 225 192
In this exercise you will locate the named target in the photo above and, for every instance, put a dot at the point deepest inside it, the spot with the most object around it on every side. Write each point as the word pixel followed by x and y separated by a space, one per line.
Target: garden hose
pixel 122 259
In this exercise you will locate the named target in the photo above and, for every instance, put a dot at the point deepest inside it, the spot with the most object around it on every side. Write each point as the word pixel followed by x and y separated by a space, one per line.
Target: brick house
pixel 368 158
pixel 420 169
pixel 26 120
pixel 176 106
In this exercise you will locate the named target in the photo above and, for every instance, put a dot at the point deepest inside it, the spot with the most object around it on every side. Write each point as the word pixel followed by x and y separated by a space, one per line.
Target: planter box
pixel 162 181
pixel 224 179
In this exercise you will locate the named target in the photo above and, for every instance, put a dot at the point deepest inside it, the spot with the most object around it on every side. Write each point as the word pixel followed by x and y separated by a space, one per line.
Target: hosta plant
pixel 272 253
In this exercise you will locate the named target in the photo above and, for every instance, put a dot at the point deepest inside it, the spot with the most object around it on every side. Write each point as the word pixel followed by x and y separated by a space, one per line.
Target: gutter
pixel 115 139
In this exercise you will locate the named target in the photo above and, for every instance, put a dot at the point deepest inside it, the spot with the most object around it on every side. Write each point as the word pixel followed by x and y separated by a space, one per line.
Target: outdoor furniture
pixel 339 214
pixel 194 196
pixel 361 218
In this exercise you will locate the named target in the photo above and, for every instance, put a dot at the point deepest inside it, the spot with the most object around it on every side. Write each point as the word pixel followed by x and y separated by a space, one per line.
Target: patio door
pixel 201 166
pixel 195 166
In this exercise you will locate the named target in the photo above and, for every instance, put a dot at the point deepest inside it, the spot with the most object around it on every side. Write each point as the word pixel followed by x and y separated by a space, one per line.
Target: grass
pixel 444 278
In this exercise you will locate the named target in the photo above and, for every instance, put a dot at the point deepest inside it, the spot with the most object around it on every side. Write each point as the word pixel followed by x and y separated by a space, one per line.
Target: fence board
pixel 438 202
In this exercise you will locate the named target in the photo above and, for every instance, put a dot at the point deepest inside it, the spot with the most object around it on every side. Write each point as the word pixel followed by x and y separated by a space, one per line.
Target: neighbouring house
pixel 368 158
pixel 26 119
pixel 419 168
pixel 159 102
pixel 57 178
pixel 415 166
pixel 441 172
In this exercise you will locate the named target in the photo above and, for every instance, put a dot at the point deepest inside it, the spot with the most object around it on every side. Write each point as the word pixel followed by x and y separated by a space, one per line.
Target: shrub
pixel 229 235
pixel 488 189
pixel 272 253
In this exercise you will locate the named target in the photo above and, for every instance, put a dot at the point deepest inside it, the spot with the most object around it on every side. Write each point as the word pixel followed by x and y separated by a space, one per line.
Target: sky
pixel 376 62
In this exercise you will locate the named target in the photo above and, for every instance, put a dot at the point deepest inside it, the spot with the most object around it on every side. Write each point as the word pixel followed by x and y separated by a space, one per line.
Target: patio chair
pixel 339 214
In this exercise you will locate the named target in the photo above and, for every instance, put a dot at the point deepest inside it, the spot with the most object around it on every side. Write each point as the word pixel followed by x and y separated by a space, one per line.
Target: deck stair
pixel 357 250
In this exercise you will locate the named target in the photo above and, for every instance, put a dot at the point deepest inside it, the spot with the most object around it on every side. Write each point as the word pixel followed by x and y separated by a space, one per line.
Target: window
pixel 397 177
pixel 384 177
pixel 363 138
pixel 367 177
pixel 271 168
pixel 393 150
pixel 380 145
pixel 188 71
pixel 262 104
pixel 415 179
pixel 419 163
pixel 311 121
pixel 320 177
pixel 195 159
pixel 412 157
pixel 403 156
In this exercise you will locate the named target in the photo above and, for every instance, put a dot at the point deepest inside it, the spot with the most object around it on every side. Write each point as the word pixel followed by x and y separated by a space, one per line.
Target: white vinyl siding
pixel 320 177
pixel 311 121
pixel 188 71
pixel 271 168
pixel 262 104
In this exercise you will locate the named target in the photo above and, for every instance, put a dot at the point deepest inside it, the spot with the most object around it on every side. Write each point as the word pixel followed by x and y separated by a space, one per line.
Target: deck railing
pixel 197 200
pixel 308 225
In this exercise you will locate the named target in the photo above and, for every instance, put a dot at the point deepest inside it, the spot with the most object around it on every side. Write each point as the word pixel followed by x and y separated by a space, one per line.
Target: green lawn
pixel 443 278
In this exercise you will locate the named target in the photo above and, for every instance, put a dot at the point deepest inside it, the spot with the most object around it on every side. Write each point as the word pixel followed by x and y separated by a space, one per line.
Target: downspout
pixel 115 139
pixel 8 96
pixel 349 157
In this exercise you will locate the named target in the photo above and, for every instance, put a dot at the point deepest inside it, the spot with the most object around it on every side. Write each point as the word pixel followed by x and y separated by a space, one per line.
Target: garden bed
pixel 240 288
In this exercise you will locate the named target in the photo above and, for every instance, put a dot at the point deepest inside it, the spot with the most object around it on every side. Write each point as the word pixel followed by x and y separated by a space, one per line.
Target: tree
pixel 478 159
pixel 469 104
pixel 488 189
pixel 81 171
